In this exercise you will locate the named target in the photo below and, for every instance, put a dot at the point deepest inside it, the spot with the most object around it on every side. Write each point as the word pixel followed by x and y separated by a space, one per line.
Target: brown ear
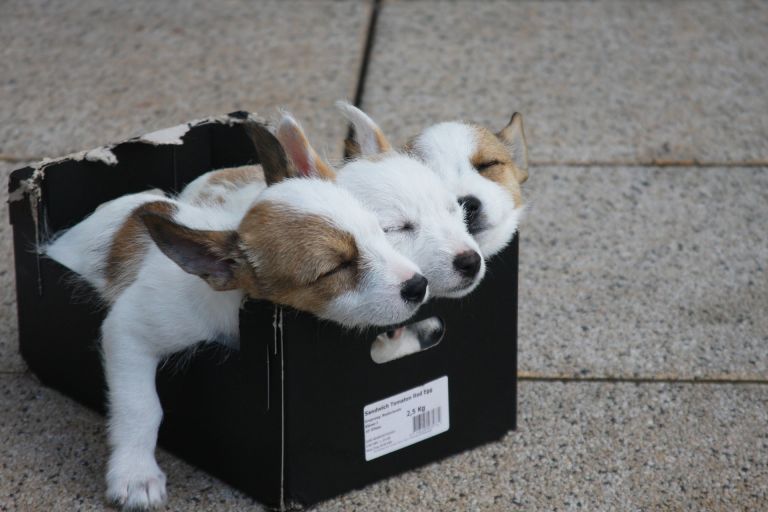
pixel 211 255
pixel 367 139
pixel 302 155
pixel 513 136
pixel 272 157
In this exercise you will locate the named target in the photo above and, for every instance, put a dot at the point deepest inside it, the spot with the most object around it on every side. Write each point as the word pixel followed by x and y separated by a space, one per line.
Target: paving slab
pixel 645 272
pixel 10 359
pixel 600 447
pixel 597 81
pixel 588 446
pixel 54 451
pixel 75 75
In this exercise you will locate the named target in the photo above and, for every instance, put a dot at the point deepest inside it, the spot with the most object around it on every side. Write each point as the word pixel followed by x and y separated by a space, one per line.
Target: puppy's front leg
pixel 134 480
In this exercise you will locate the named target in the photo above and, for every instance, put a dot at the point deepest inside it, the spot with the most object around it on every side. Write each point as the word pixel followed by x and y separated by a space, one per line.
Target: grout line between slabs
pixel 363 73
pixel 536 377
pixel 647 163
pixel 367 50
pixel 360 92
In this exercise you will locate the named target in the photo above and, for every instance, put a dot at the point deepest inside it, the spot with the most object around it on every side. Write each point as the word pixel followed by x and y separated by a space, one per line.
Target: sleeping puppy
pixel 419 215
pixel 484 171
pixel 174 273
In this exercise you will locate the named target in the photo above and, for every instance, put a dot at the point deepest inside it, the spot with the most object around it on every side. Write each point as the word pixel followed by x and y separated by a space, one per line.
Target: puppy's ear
pixel 271 154
pixel 513 136
pixel 211 255
pixel 301 154
pixel 368 138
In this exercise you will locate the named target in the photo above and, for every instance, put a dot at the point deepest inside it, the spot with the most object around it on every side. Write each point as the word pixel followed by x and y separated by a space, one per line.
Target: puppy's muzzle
pixel 414 289
pixel 473 208
pixel 467 263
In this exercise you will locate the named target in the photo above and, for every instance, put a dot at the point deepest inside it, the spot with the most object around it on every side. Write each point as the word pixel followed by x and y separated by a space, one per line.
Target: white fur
pixel 402 191
pixel 447 149
pixel 405 341
pixel 166 310
pixel 237 200
pixel 84 247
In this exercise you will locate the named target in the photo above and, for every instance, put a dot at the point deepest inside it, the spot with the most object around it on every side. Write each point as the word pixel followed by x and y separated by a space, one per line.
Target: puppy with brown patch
pixel 484 170
pixel 175 273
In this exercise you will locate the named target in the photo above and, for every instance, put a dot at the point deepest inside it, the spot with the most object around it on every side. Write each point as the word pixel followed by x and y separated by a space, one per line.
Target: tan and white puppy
pixel 175 273
pixel 484 171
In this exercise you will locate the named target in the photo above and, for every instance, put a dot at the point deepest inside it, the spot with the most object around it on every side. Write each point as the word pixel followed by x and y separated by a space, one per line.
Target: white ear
pixel 368 136
pixel 300 152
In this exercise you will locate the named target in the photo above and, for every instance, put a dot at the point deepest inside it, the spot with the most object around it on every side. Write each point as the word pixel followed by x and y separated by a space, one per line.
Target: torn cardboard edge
pixel 104 154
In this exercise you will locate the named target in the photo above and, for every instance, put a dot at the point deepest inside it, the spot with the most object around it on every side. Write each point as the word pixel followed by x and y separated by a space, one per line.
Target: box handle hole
pixel 407 340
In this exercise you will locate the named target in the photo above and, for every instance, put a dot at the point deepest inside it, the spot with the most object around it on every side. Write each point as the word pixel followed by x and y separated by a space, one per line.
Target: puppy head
pixel 484 170
pixel 305 243
pixel 420 216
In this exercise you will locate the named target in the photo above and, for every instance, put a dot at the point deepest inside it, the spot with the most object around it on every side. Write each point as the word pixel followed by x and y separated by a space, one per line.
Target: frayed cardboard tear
pixel 171 135
pixel 103 154
pixel 31 186
pixel 175 134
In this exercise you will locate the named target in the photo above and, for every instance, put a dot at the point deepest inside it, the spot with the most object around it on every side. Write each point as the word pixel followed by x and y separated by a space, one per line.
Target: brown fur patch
pixel 382 141
pixel 297 258
pixel 234 178
pixel 490 150
pixel 129 246
pixel 207 198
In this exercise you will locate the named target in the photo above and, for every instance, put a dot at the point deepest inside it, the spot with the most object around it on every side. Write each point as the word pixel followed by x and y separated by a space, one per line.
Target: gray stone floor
pixel 643 288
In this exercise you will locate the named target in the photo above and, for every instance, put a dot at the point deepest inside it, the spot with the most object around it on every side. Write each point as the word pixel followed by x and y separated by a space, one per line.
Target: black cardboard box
pixel 283 418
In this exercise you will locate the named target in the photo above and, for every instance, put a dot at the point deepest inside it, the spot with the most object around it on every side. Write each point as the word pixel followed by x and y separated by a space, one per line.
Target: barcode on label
pixel 426 419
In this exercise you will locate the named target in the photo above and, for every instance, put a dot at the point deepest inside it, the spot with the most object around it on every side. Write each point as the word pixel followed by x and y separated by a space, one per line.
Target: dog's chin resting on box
pixel 173 273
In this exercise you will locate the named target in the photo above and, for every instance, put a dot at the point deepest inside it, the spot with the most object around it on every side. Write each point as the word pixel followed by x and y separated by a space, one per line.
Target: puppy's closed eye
pixel 406 227
pixel 483 166
pixel 344 265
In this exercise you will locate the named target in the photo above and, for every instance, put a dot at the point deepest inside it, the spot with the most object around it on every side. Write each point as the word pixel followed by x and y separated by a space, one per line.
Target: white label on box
pixel 406 418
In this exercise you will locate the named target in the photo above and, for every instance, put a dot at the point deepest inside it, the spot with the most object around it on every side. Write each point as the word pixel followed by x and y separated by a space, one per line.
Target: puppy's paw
pixel 138 487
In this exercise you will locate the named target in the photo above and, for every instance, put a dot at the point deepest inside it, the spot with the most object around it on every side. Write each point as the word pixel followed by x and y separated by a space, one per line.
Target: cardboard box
pixel 285 417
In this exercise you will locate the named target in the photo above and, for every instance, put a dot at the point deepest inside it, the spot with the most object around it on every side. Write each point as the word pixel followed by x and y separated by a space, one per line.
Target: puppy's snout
pixel 467 263
pixel 414 289
pixel 472 207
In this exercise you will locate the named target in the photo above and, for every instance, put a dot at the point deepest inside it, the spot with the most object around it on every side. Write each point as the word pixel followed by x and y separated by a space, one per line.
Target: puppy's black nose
pixel 414 289
pixel 467 263
pixel 472 207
